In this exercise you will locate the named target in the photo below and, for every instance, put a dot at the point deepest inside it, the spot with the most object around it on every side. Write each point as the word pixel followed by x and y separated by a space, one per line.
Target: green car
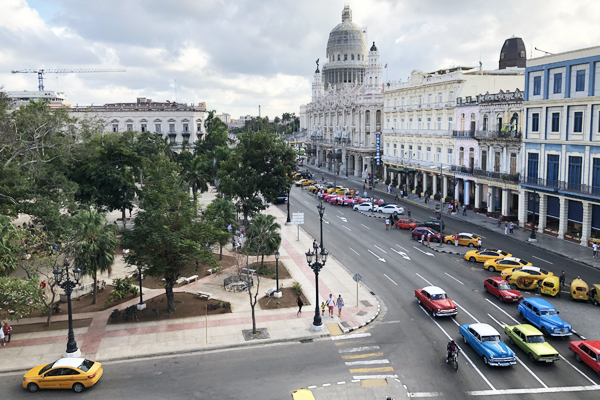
pixel 532 342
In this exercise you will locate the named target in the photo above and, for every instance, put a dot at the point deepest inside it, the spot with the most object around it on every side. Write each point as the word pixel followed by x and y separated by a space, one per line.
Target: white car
pixel 391 209
pixel 363 207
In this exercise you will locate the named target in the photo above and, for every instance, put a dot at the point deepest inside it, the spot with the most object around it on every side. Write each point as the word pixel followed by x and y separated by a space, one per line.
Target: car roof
pixel 528 329
pixel 540 303
pixel 68 362
pixel 511 259
pixel 484 329
pixel 434 290
pixel 497 279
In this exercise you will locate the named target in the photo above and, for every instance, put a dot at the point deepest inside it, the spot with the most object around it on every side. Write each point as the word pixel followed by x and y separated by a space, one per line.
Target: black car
pixel 433 224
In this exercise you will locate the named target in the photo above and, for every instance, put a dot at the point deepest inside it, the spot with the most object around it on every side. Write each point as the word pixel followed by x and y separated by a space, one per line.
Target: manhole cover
pixel 476 290
pixel 366 303
pixel 345 324
pixel 361 313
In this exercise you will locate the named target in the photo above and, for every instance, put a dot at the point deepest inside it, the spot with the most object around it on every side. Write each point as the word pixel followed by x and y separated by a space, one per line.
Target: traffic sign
pixel 357 277
pixel 298 218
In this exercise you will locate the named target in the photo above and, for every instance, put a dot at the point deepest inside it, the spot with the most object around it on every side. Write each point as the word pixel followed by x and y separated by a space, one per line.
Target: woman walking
pixel 340 304
pixel 300 304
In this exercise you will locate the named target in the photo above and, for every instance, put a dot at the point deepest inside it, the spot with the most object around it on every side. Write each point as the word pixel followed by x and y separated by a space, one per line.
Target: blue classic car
pixel 486 342
pixel 544 316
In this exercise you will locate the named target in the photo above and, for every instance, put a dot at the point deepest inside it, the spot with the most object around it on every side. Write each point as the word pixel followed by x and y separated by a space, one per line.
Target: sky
pixel 239 54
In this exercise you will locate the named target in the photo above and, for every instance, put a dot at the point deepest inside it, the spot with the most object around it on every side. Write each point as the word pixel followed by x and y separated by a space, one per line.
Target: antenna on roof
pixel 546 53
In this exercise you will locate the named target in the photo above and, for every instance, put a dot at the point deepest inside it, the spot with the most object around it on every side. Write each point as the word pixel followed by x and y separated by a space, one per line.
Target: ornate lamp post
pixel 441 207
pixel 321 210
pixel 316 267
pixel 68 285
pixel 141 306
pixel 277 292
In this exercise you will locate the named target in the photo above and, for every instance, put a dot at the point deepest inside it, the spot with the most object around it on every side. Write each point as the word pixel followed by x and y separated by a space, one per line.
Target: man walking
pixel 428 238
pixel 464 210
pixel 511 228
pixel 561 279
pixel 387 224
pixel 330 303
pixel 595 249
pixel 7 331
pixel 408 213
pixel 456 239
pixel 479 244
pixel 300 304
pixel 506 228
pixel 315 245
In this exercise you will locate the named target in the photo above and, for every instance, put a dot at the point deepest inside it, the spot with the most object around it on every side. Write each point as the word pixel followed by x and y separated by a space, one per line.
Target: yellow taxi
pixel 485 255
pixel 595 294
pixel 335 189
pixel 343 191
pixel 527 278
pixel 504 263
pixel 579 290
pixel 303 182
pixel 66 373
pixel 550 286
pixel 464 239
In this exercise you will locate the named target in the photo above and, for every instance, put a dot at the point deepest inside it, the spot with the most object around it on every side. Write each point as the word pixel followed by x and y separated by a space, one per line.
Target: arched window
pixel 345 57
pixel 352 57
pixel 338 57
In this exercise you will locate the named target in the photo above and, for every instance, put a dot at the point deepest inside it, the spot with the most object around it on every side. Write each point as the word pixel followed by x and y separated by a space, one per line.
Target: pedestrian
pixel 402 193
pixel 243 233
pixel 426 198
pixel 499 221
pixel 318 252
pixel 429 239
pixel 456 239
pixel 478 243
pixel 315 245
pixel 419 196
pixel 364 186
pixel 464 210
pixel 387 224
pixel 2 337
pixel 595 249
pixel 449 208
pixel 396 197
pixel 561 279
pixel 330 303
pixel 365 195
pixel 506 228
pixel 389 189
pixel 300 304
pixel 240 242
pixel 43 284
pixel 323 309
pixel 229 228
pixel 340 304
pixel 233 242
pixel 408 213
pixel 511 228
pixel 7 331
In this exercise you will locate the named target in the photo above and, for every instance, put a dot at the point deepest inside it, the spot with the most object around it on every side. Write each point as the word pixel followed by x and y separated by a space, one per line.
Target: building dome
pixel 513 53
pixel 346 52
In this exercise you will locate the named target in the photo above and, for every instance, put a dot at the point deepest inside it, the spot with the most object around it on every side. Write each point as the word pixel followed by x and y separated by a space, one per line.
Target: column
pixel 456 191
pixel 357 166
pixel 435 188
pixel 505 201
pixel 564 214
pixel 543 213
pixel 407 187
pixel 425 176
pixel 467 193
pixel 586 229
pixel 444 187
pixel 490 200
pixel 523 194
pixel 477 197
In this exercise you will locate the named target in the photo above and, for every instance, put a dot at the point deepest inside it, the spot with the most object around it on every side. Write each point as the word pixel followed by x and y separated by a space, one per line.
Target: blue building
pixel 560 186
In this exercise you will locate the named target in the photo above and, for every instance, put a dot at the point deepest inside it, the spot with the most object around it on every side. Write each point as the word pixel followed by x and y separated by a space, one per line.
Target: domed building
pixel 513 53
pixel 344 116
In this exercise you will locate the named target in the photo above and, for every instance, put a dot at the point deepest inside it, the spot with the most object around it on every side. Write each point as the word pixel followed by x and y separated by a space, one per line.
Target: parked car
pixel 433 224
pixel 501 289
pixel 436 301
pixel 587 351
pixel 363 207
pixel 349 201
pixel 504 263
pixel 419 232
pixel 303 182
pixel 464 239
pixel 391 209
pixel 507 273
pixel 595 294
pixel 527 278
pixel 66 373
pixel 379 206
pixel 579 290
pixel 406 223
pixel 485 255
pixel 532 342
pixel 544 316
pixel 550 286
pixel 486 342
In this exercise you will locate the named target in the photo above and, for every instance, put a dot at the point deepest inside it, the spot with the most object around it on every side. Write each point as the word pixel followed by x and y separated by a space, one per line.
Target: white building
pixel 179 121
pixel 225 118
pixel 22 98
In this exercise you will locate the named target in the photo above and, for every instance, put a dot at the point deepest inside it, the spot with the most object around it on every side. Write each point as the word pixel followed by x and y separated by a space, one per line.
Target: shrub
pixel 121 288
pixel 267 272
pixel 297 288
pixel 115 314
pixel 437 196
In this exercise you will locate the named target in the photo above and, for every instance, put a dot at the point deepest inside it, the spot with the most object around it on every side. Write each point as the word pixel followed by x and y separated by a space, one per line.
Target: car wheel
pixel 511 340
pixel 514 286
pixel 485 289
pixel 501 298
pixel 78 387
pixel 531 357
pixel 577 357
pixel 485 360
pixel 521 315
pixel 32 387
pixel 448 241
pixel 491 269
pixel 471 245
pixel 415 237
pixel 595 301
pixel 472 259
pixel 433 314
pixel 544 331
pixel 418 301
pixel 435 240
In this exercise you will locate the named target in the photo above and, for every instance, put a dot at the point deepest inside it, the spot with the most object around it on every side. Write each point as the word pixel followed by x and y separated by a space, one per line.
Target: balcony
pixel 463 133
pixel 563 186
pixel 496 175
pixel 461 168
pixel 497 134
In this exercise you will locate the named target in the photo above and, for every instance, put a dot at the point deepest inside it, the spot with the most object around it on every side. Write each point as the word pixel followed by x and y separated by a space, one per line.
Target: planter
pixel 549 232
pixel 572 239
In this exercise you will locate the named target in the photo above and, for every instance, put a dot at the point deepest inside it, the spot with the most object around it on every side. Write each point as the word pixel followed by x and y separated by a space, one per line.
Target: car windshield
pixel 523 261
pixel 440 296
pixel 549 312
pixel 491 339
pixel 504 286
pixel 46 368
pixel 86 365
pixel 535 339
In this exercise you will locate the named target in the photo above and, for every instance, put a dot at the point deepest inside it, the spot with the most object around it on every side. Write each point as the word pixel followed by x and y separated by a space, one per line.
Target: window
pixel 157 128
pixel 574 172
pixel 439 98
pixel 449 123
pixel 428 123
pixel 553 169
pixel 451 97
pixel 485 123
pixel 402 102
pixel 580 81
pixel 555 122
pixel 461 157
pixel 439 123
pixel 420 99
pixel 129 127
pixel 395 127
pixel 429 99
pixel 387 122
pixel 115 127
pixel 513 163
pixel 185 128
pixel 419 124
pixel 484 160
pixel 438 155
pixel 387 149
pixel 395 154
pixel 395 102
pixel 557 83
pixel 535 122
pixel 410 123
pixel 497 161
pixel 418 152
pixel 428 153
pixel 537 85
pixel 596 176
pixel 411 100
pixel 338 57
pixel 199 128
pixel 352 57
pixel 449 157
pixel 402 123
pixel 578 121
pixel 532 166
pixel 171 128
pixel 144 127
pixel 172 139
pixel 401 151
pixel 410 154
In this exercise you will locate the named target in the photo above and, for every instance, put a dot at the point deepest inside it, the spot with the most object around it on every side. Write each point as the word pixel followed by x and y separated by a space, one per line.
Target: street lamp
pixel 321 210
pixel 141 306
pixel 535 197
pixel 347 156
pixel 289 221
pixel 277 271
pixel 68 285
pixel 441 206
pixel 316 267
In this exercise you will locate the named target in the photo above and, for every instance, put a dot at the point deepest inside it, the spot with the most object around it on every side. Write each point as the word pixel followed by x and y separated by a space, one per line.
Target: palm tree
pixel 197 177
pixel 95 244
pixel 263 236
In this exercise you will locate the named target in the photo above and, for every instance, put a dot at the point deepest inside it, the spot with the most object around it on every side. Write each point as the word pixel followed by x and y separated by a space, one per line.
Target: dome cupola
pixel 513 53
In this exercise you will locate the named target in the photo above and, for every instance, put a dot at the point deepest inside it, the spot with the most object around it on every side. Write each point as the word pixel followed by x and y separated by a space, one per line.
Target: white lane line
pixel 351 336
pixel 366 226
pixel 306 201
pixel 355 380
pixel 344 226
pixel 578 370
pixel 390 279
pixel 502 324
pixel 531 372
pixel 312 387
pixel 424 394
pixel 481 236
pixel 354 251
pixel 380 248
pixel 365 377
pixel 533 391
pixel 340 212
pixel 359 349
pixel 367 362
pixel 424 279
pixel 403 248
pixel 424 252
pixel 454 278
pixel 327 230
pixel 505 313
pixel 463 353
pixel 468 313
pixel 326 384
pixel 403 254
pixel 341 383
pixel 541 259
pixel 380 259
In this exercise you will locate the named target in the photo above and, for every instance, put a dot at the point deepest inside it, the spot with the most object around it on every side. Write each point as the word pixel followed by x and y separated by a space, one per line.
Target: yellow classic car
pixel 464 239
pixel 595 294
pixel 334 189
pixel 504 263
pixel 343 191
pixel 66 373
pixel 303 182
pixel 528 278
pixel 485 255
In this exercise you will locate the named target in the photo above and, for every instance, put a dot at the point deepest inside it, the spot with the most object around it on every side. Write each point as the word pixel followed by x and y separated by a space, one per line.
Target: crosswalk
pixel 363 359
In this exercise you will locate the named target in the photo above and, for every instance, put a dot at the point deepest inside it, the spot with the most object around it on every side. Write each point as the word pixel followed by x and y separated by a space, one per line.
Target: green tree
pixel 263 237
pixel 95 244
pixel 19 297
pixel 221 212
pixel 8 247
pixel 197 174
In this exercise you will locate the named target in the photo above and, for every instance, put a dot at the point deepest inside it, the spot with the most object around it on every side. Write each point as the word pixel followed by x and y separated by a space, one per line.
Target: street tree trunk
pixel 170 297
pixel 95 287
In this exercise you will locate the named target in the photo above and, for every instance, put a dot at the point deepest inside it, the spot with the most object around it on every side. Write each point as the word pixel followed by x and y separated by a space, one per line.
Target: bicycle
pixel 453 360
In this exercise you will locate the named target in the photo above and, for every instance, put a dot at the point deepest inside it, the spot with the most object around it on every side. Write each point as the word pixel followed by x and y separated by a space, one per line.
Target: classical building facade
pixel 344 117
pixel 176 120
pixel 22 98
pixel 560 192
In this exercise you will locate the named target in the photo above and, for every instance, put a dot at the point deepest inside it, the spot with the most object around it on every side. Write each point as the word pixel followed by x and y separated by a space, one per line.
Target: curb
pixel 347 330
pixel 445 251
pixel 374 216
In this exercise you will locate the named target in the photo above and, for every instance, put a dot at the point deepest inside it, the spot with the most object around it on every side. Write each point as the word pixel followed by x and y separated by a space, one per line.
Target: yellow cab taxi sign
pixel 303 394
pixel 579 290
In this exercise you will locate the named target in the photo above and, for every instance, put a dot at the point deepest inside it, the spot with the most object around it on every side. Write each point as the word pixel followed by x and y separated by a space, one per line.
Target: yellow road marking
pixel 362 356
pixel 380 369
pixel 334 329
pixel 373 382
pixel 354 342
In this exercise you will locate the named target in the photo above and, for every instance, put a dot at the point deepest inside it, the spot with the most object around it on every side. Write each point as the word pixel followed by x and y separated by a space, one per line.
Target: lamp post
pixel 68 285
pixel 289 221
pixel 535 197
pixel 141 306
pixel 316 267
pixel 277 273
pixel 321 210
pixel 372 179
pixel 347 156
pixel 441 206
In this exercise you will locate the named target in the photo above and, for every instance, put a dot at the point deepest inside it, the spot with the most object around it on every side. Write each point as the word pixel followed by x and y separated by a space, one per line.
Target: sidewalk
pixel 103 342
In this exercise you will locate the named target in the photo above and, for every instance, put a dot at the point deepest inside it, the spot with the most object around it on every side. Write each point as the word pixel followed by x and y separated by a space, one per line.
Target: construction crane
pixel 41 73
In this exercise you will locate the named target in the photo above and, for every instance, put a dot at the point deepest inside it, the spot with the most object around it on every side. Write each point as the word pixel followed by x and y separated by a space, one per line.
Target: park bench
pixel 204 294
pixel 180 280
pixel 249 271
pixel 270 291
pixel 191 279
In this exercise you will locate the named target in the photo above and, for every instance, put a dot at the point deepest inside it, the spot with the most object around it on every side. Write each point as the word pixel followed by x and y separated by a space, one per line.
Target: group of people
pixel 5 334
pixel 330 303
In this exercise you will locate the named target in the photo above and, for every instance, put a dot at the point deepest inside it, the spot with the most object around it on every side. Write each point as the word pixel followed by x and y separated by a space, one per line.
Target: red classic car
pixel 500 288
pixel 350 201
pixel 435 300
pixel 406 223
pixel 421 233
pixel 335 199
pixel 587 351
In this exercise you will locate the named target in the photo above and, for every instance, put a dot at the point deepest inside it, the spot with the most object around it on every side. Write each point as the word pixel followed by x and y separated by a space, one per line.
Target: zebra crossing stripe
pixel 367 362
pixel 359 349
pixel 351 336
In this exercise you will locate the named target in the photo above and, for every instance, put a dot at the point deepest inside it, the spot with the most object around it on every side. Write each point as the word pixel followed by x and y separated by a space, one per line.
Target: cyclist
pixel 451 347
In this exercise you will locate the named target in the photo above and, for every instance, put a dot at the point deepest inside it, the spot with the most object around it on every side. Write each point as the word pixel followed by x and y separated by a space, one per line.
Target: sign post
pixel 357 278
pixel 298 219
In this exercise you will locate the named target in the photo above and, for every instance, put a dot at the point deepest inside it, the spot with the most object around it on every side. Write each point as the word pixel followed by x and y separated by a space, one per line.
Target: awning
pixel 395 169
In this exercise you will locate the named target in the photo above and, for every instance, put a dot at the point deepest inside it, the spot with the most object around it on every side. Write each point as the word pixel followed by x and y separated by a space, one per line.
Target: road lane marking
pixel 375 369
pixel 542 260
pixel 390 279
pixel 365 377
pixel 502 324
pixel 367 362
pixel 327 222
pixel 505 313
pixel 531 372
pixel 340 212
pixel 358 349
pixel 403 254
pixel 366 226
pixel 344 226
pixel 362 356
pixel 403 248
pixel 351 336
pixel 533 390
pixel 353 342
pixel 424 394
pixel 468 313
pixel 306 201
pixel 342 218
pixel 341 383
pixel 424 252
pixel 463 353
pixel 380 248
pixel 454 278
pixel 578 370
pixel 431 284
pixel 380 259
pixel 327 230
pixel 326 384
pixel 354 251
